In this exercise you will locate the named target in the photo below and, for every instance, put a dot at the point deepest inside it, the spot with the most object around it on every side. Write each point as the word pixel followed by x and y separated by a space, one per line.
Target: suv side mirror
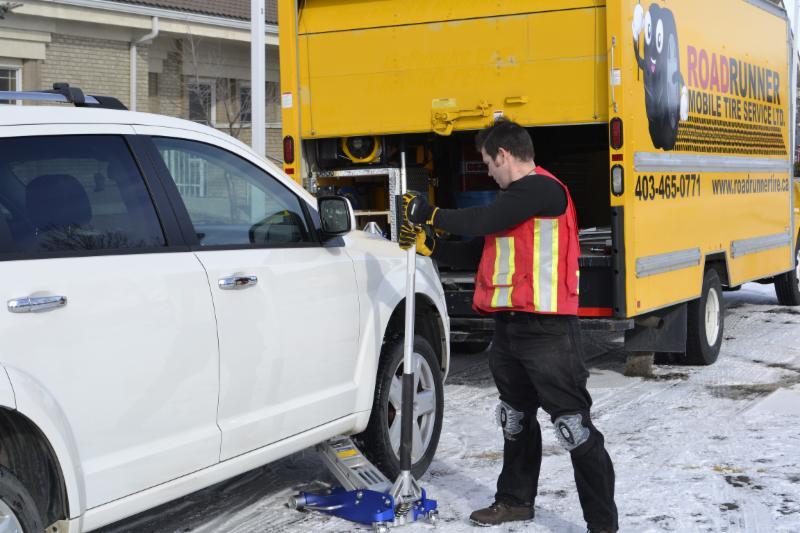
pixel 336 215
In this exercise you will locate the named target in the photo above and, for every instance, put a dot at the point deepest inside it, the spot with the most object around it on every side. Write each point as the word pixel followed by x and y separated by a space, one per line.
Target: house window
pixel 273 104
pixel 246 113
pixel 10 80
pixel 202 102
pixel 152 84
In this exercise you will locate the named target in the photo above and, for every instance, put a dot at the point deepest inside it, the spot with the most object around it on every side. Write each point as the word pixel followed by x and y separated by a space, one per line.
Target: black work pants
pixel 537 361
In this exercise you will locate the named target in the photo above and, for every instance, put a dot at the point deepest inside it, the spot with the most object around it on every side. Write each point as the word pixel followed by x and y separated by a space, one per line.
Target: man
pixel 527 280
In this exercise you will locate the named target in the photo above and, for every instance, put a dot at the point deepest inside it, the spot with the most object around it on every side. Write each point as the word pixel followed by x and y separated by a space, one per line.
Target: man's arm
pixel 525 198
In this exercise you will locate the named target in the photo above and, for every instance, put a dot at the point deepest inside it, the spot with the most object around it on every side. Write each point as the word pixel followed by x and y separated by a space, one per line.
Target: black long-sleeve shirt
pixel 532 195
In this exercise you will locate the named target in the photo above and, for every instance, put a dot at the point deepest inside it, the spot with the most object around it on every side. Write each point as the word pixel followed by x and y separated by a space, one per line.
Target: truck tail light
pixel 615 133
pixel 288 149
pixel 617 180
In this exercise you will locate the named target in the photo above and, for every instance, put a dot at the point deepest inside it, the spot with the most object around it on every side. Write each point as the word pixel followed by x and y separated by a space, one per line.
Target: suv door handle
pixel 36 304
pixel 237 283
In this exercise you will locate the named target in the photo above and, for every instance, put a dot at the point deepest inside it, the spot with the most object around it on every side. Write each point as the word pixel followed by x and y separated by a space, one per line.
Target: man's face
pixel 499 167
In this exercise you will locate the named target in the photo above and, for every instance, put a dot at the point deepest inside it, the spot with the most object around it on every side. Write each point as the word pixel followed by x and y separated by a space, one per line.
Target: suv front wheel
pixel 381 440
pixel 18 511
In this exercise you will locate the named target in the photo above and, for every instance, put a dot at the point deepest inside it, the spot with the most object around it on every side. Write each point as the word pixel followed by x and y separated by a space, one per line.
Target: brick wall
pixel 271 10
pixel 170 89
pixel 97 66
pixel 274 143
pixel 102 67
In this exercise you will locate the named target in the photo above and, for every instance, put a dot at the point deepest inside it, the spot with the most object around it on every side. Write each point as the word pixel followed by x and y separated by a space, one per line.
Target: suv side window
pixel 73 193
pixel 231 201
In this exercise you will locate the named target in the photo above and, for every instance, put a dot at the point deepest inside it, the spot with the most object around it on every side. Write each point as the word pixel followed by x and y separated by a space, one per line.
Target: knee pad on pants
pixel 510 420
pixel 571 431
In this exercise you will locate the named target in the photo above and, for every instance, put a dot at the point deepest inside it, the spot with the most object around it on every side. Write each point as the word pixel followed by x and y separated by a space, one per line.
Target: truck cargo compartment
pixel 576 155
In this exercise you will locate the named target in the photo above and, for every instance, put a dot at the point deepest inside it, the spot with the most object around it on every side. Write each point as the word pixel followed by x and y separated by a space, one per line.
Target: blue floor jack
pixel 366 496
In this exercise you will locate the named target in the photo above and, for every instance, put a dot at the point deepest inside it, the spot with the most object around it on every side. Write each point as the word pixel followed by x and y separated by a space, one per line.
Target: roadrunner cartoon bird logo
pixel 666 97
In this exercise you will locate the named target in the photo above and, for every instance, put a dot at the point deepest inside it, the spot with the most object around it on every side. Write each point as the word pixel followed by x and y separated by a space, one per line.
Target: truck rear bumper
pixel 480 329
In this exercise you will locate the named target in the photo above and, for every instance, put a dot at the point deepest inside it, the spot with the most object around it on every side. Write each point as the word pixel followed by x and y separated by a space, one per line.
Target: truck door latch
pixel 443 122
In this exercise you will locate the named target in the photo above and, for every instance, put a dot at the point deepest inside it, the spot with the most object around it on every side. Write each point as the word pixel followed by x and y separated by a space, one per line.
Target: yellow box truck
pixel 671 121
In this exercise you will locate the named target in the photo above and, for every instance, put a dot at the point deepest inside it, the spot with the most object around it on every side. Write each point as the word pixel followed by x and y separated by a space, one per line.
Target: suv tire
pixel 380 441
pixel 18 511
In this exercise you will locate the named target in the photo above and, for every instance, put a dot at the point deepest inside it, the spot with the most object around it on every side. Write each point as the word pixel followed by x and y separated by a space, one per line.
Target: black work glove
pixel 421 238
pixel 418 210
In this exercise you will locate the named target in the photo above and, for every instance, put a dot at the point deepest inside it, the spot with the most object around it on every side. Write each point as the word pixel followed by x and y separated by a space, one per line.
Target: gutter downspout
pixel 149 37
pixel 257 78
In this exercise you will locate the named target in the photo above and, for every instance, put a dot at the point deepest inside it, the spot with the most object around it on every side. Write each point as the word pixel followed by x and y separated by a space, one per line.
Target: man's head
pixel 507 150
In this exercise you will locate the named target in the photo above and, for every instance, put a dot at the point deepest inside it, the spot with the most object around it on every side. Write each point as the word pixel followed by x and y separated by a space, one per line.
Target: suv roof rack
pixel 62 92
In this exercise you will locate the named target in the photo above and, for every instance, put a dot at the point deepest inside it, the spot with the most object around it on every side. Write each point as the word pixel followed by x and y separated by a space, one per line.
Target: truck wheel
pixel 787 285
pixel 706 317
pixel 18 511
pixel 381 440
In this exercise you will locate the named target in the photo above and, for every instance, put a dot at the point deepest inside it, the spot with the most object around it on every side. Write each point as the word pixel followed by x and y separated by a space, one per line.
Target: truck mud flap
pixel 660 331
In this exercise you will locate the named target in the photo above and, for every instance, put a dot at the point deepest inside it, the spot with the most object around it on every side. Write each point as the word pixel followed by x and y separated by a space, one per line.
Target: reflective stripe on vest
pixel 503 271
pixel 531 267
pixel 545 265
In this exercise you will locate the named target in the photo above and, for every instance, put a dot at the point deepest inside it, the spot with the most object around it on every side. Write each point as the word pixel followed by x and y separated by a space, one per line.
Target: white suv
pixel 178 313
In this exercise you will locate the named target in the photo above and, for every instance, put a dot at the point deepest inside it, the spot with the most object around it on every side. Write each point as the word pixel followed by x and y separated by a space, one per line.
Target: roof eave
pixel 169 14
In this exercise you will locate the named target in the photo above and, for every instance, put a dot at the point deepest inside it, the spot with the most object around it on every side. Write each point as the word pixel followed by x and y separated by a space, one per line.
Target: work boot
pixel 602 530
pixel 499 513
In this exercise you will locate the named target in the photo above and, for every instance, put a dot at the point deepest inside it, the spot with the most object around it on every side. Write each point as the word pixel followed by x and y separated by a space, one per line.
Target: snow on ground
pixel 695 449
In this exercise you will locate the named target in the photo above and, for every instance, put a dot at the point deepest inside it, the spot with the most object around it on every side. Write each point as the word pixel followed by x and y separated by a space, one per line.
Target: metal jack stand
pixel 366 495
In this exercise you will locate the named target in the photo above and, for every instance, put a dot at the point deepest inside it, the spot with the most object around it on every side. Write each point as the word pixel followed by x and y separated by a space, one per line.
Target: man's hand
pixel 417 237
pixel 418 210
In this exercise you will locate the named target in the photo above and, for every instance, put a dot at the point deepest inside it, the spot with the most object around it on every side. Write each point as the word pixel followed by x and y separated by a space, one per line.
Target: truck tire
pixel 787 285
pixel 380 442
pixel 705 322
pixel 18 511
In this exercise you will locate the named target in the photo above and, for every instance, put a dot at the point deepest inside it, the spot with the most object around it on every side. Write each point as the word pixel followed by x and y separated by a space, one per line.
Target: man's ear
pixel 502 156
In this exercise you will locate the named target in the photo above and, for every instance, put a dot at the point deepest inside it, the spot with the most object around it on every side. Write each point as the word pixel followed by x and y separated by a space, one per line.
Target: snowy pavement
pixel 695 449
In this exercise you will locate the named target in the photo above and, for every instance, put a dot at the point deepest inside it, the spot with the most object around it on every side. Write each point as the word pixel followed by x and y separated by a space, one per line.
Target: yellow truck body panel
pixel 680 202
pixel 389 67
pixel 703 92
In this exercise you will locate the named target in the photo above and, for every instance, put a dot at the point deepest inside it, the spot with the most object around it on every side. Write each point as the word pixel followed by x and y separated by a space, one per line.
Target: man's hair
pixel 508 135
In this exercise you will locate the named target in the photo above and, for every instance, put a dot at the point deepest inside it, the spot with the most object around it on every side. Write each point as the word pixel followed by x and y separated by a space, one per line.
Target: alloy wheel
pixel 424 407
pixel 9 523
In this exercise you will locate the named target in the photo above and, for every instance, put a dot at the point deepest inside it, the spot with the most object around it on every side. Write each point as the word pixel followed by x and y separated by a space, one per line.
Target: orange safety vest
pixel 532 267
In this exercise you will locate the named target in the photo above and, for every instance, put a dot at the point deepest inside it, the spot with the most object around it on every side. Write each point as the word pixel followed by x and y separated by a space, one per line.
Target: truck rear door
pixel 415 66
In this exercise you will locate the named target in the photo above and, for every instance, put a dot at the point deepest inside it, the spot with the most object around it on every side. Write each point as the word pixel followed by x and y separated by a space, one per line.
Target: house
pixel 184 58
